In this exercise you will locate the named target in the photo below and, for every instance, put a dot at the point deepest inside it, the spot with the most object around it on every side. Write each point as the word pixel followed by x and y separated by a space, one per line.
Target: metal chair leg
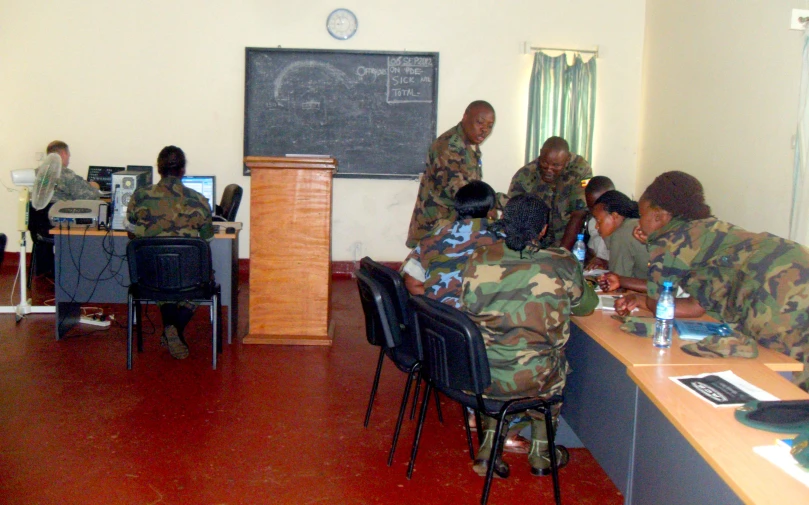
pixel 468 433
pixel 130 313
pixel 402 409
pixel 422 414
pixel 492 458
pixel 557 493
pixel 374 386
pixel 438 407
pixel 415 397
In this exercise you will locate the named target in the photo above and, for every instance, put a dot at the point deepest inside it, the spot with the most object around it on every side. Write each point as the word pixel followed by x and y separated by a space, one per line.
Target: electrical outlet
pixel 795 22
pixel 94 322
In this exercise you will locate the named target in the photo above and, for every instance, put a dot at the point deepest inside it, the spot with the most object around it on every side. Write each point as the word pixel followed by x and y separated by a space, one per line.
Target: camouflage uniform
pixel 757 283
pixel 443 254
pixel 523 307
pixel 169 209
pixel 451 164
pixel 72 187
pixel 563 199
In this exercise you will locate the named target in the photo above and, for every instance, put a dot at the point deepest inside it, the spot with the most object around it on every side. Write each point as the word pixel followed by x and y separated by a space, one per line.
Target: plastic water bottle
pixel 579 249
pixel 664 317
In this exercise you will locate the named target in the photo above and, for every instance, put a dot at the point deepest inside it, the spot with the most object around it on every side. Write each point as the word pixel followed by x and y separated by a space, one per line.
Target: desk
pixel 691 452
pixel 90 267
pixel 601 399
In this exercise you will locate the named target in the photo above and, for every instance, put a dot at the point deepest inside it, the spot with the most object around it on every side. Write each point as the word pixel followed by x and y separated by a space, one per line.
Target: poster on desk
pixel 722 389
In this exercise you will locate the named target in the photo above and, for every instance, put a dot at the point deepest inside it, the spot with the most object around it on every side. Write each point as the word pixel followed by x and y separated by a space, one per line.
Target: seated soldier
pixel 433 267
pixel 597 251
pixel 522 296
pixel 169 209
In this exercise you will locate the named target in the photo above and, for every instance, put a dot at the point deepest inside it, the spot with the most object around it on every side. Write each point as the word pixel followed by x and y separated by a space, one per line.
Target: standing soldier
pixel 453 161
pixel 556 178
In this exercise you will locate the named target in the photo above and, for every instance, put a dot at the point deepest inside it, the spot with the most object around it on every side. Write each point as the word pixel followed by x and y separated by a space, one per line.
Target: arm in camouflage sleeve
pixel 588 302
pixel 76 187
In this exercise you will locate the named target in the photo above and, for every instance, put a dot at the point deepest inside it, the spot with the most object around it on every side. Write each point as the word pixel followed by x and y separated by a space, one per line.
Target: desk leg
pixel 668 470
pixel 67 316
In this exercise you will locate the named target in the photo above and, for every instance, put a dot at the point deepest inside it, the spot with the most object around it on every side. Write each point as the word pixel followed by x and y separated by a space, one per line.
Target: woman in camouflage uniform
pixel 757 283
pixel 522 297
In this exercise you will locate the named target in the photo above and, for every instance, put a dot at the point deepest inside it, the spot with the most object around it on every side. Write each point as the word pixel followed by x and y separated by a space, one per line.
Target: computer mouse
pixel 230 229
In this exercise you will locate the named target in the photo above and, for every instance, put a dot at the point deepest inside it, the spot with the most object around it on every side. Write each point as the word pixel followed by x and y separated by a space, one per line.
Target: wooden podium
pixel 290 250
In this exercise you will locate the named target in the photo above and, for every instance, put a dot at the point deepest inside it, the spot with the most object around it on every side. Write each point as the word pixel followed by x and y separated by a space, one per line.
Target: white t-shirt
pixel 596 243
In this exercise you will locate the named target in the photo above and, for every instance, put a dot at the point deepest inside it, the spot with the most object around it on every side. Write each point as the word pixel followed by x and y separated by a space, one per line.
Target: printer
pixel 78 212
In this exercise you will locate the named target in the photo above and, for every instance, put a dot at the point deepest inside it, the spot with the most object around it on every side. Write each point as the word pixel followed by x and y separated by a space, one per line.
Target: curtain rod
pixel 529 49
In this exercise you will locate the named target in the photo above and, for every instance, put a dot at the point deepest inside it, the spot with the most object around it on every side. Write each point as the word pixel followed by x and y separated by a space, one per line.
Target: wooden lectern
pixel 290 250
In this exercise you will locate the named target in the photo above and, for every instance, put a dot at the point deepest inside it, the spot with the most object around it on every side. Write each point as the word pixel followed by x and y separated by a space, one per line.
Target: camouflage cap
pixel 719 346
pixel 639 326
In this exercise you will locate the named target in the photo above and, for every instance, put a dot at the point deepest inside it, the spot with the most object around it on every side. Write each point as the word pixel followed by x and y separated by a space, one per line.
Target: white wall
pixel 118 81
pixel 720 100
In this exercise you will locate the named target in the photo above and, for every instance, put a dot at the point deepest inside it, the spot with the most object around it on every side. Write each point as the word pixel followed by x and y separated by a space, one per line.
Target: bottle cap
pixel 580 236
pixel 667 284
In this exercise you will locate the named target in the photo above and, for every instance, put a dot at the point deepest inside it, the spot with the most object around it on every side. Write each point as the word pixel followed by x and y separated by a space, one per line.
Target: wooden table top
pixel 632 350
pixel 92 231
pixel 726 444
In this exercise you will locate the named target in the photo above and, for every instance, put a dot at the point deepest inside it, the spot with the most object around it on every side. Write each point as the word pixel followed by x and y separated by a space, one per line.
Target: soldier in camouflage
pixel 521 297
pixel 757 283
pixel 169 209
pixel 434 267
pixel 454 160
pixel 70 186
pixel 556 177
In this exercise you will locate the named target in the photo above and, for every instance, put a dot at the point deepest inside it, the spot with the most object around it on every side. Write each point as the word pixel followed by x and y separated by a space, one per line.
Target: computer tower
pixel 143 168
pixel 124 184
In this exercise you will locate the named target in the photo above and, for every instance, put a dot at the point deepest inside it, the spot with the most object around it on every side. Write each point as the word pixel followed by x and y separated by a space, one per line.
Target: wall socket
pixel 795 22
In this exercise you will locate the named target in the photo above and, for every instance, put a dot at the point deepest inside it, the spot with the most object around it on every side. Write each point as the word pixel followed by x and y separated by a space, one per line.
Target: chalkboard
pixel 374 112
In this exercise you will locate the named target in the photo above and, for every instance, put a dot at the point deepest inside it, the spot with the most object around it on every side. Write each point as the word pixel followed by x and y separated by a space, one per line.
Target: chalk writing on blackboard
pixel 374 112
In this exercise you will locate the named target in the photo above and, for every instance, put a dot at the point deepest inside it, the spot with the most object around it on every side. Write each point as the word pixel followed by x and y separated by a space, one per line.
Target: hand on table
pixel 627 303
pixel 609 282
pixel 597 264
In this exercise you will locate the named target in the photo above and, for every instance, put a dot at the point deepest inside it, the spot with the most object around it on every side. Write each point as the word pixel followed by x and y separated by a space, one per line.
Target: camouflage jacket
pixel 758 283
pixel 443 254
pixel 451 164
pixel 523 307
pixel 564 198
pixel 72 187
pixel 169 209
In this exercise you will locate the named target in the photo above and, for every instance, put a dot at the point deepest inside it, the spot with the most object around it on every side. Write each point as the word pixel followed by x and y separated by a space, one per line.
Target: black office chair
pixel 2 248
pixel 229 204
pixel 456 364
pixel 42 259
pixel 171 269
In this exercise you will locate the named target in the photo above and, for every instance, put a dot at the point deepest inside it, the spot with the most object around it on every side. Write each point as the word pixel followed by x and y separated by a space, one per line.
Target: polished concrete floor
pixel 274 424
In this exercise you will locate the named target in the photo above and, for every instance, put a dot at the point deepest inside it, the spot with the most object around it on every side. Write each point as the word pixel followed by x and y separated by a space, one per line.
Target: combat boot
pixel 539 457
pixel 481 463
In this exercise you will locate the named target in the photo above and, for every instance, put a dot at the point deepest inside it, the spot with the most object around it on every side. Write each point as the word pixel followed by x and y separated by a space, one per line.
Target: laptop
pixel 103 177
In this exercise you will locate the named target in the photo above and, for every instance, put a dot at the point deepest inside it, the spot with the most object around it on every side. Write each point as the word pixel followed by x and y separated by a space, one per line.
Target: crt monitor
pixel 205 184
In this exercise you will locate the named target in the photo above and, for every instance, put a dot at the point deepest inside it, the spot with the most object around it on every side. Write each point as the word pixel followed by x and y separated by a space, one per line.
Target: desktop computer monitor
pixel 205 184
pixel 102 176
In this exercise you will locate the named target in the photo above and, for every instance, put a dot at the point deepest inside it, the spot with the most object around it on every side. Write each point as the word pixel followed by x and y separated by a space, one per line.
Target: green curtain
pixel 561 101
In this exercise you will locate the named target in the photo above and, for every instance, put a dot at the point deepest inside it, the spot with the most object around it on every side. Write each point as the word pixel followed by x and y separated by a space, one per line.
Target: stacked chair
pixel 389 325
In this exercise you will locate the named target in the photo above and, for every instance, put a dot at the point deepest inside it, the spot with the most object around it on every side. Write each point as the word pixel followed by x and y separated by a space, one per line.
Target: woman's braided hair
pixel 524 218
pixel 615 201
pixel 680 194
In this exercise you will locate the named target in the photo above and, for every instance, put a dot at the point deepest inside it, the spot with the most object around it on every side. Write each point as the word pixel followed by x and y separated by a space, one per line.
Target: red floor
pixel 273 424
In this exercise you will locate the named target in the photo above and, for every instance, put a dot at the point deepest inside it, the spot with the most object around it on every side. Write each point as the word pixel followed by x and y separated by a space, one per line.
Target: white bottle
pixel 664 317
pixel 579 249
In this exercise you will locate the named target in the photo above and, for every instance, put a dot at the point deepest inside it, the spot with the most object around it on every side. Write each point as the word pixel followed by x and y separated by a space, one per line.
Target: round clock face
pixel 342 24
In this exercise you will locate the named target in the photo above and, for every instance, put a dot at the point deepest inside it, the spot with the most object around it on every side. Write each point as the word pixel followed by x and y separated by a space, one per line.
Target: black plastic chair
pixel 383 330
pixel 393 283
pixel 171 269
pixel 456 364
pixel 229 204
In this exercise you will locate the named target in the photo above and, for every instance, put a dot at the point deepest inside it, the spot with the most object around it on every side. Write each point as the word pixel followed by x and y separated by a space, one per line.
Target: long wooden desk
pixel 90 267
pixel 689 452
pixel 601 399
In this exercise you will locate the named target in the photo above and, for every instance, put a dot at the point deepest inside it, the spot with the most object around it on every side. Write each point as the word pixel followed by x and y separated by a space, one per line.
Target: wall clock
pixel 342 24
